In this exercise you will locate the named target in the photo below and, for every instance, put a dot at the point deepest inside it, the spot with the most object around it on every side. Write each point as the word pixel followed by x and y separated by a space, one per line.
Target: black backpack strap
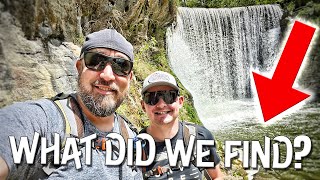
pixel 60 96
pixel 144 156
pixel 205 174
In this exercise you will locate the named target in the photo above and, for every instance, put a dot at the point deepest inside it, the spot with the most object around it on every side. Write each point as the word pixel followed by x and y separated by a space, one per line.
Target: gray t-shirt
pixel 42 116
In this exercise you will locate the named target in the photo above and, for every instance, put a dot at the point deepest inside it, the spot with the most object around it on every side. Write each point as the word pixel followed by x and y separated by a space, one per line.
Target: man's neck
pixel 162 132
pixel 104 124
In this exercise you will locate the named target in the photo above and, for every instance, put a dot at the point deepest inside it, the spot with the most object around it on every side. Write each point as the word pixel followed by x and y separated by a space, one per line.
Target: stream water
pixel 305 121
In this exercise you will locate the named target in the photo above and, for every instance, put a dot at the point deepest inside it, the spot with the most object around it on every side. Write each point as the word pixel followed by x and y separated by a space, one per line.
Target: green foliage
pixel 79 39
pixel 97 15
pixel 151 56
pixel 193 3
pixel 225 3
pixel 190 114
pixel 311 12
pixel 310 76
pixel 291 6
pixel 148 19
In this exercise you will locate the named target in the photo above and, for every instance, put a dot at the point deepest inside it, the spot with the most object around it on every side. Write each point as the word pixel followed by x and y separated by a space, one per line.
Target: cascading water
pixel 212 51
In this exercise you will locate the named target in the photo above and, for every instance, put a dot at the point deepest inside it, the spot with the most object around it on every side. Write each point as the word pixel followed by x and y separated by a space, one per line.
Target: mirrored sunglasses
pixel 152 98
pixel 97 62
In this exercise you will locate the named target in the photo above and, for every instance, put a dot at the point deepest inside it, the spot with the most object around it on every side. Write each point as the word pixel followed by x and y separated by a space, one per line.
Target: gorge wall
pixel 35 60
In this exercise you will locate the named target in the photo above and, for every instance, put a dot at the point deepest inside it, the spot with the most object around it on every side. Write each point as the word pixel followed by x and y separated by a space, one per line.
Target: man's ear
pixel 142 105
pixel 181 100
pixel 79 66
pixel 131 75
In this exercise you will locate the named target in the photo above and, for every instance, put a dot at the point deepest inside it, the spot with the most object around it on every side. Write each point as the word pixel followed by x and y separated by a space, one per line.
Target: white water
pixel 212 50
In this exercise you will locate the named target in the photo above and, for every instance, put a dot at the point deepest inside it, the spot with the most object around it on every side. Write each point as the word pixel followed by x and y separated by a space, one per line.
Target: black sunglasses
pixel 97 62
pixel 152 98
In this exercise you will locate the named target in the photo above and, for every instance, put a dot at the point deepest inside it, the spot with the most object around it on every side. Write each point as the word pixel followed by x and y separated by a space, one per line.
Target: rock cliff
pixel 32 68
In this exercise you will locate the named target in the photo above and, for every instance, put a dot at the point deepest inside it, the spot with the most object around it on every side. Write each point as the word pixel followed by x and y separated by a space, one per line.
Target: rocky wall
pixel 30 69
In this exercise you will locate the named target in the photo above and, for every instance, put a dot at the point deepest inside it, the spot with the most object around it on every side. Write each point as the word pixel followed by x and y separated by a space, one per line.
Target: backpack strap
pixel 123 129
pixel 205 174
pixel 144 157
pixel 124 125
pixel 60 96
pixel 70 121
pixel 130 125
pixel 63 103
pixel 188 130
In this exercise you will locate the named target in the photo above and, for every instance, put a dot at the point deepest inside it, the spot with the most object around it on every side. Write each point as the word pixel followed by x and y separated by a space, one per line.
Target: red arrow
pixel 277 95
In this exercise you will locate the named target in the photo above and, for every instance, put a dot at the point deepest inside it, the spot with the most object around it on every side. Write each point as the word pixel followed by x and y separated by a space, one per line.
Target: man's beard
pixel 101 105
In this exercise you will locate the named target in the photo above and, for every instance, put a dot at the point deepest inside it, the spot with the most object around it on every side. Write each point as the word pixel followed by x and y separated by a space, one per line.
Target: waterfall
pixel 212 51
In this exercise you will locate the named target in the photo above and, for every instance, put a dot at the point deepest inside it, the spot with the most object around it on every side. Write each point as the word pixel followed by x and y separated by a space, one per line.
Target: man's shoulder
pixel 41 113
pixel 29 105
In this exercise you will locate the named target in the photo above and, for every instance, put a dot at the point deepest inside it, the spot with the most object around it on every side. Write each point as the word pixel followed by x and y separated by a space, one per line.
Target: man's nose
pixel 161 103
pixel 107 73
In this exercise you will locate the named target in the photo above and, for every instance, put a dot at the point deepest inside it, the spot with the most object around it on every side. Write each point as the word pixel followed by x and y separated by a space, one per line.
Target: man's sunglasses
pixel 97 62
pixel 152 98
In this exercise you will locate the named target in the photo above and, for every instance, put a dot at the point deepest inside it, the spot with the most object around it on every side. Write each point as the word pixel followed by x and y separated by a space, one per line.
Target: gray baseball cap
pixel 108 38
pixel 159 78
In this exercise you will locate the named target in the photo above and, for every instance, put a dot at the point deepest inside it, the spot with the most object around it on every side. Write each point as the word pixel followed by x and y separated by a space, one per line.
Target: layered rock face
pixel 34 62
pixel 54 19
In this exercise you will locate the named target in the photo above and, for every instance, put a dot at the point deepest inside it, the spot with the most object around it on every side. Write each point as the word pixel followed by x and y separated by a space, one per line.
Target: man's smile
pixel 162 112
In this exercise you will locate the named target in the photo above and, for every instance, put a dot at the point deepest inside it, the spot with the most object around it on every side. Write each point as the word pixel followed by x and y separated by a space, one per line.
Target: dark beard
pixel 100 105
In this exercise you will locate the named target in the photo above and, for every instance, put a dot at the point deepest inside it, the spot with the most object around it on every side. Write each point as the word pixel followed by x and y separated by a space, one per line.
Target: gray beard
pixel 99 105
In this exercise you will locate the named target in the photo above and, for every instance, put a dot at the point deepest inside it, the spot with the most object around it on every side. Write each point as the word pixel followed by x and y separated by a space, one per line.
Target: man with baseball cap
pixel 105 72
pixel 161 102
